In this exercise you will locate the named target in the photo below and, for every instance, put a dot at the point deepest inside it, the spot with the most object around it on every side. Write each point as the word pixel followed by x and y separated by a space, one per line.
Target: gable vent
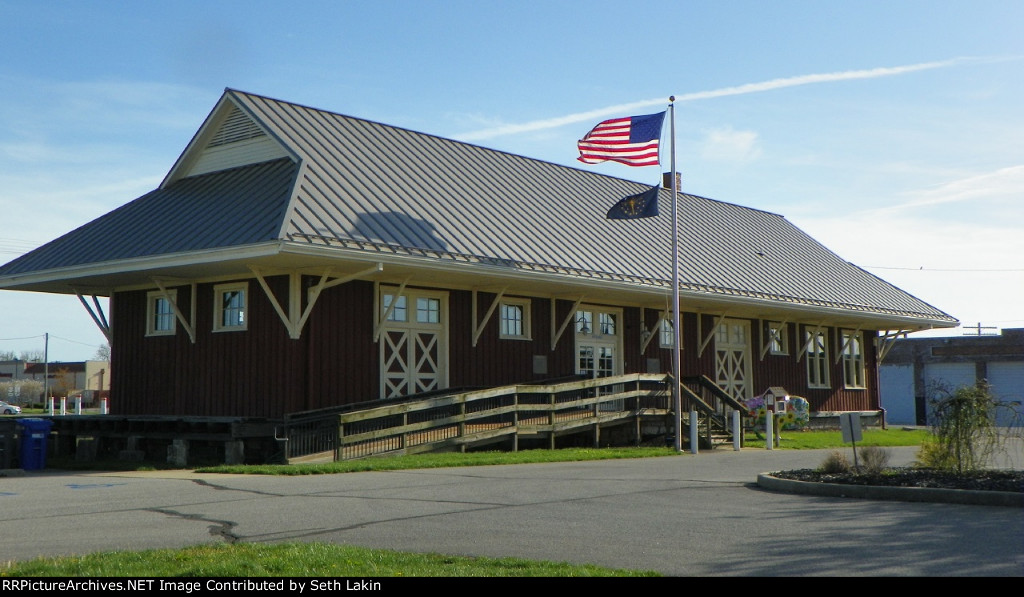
pixel 237 127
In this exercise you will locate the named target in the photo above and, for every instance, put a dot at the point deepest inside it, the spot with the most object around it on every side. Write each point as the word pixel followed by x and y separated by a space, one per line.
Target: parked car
pixel 9 409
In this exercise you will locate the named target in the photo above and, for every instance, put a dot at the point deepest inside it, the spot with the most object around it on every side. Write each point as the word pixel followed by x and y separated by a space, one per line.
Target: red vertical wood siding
pixel 262 372
pixel 342 354
pixel 256 372
pixel 497 361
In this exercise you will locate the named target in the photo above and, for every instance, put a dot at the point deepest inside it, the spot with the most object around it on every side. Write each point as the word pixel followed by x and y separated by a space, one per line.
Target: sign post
pixel 850 425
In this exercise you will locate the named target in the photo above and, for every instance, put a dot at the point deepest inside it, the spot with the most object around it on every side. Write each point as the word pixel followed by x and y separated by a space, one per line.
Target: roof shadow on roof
pixel 394 228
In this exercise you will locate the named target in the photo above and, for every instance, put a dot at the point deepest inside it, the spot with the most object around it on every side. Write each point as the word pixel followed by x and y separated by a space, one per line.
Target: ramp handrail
pixel 490 414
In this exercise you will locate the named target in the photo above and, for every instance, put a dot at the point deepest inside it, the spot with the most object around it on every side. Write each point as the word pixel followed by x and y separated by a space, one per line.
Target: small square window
pixel 230 307
pixel 160 319
pixel 778 339
pixel 515 319
pixel 399 313
pixel 428 310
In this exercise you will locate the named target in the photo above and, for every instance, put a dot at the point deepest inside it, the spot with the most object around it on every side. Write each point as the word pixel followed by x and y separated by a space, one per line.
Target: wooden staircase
pixel 714 408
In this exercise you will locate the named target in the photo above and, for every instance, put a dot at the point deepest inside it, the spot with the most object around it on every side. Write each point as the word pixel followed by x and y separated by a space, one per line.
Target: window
pixel 229 307
pixel 778 339
pixel 428 310
pixel 412 308
pixel 731 332
pixel 515 319
pixel 399 313
pixel 159 313
pixel 668 336
pixel 853 359
pixel 606 324
pixel 817 359
pixel 584 322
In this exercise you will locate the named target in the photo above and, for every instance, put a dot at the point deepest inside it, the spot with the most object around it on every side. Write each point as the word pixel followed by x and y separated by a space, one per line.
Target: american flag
pixel 632 140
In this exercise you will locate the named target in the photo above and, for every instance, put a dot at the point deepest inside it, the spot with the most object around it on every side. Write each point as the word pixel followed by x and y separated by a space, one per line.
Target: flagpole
pixel 676 392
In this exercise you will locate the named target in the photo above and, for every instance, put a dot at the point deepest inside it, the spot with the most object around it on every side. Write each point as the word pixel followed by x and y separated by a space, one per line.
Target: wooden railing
pixel 458 419
pixel 461 418
pixel 713 406
pixel 497 414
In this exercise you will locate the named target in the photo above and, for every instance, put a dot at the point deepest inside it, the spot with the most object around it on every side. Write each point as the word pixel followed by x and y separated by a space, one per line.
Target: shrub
pixel 931 454
pixel 874 459
pixel 964 426
pixel 835 462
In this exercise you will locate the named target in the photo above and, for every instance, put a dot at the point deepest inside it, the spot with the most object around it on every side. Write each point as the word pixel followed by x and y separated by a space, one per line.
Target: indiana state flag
pixel 643 205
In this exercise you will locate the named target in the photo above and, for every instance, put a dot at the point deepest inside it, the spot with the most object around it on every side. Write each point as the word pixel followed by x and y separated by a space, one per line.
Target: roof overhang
pixel 102 279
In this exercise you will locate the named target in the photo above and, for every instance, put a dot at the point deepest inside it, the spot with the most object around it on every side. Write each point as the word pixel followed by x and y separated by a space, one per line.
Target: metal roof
pixel 375 188
pixel 233 207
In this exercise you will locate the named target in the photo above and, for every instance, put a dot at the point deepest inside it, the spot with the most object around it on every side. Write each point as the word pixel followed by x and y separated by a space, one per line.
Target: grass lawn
pixel 294 560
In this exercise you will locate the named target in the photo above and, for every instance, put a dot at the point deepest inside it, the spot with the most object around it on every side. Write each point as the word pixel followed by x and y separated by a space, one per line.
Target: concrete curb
pixel 904 494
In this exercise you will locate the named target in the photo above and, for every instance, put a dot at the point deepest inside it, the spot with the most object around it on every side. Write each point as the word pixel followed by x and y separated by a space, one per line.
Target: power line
pixel 16 245
pixel 74 341
pixel 25 338
pixel 937 269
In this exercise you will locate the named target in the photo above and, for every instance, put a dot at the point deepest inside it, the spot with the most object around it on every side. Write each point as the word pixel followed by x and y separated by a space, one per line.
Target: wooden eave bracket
pixel 645 342
pixel 478 327
pixel 846 343
pixel 379 327
pixel 295 319
pixel 772 335
pixel 187 323
pixel 662 318
pixel 807 342
pixel 711 334
pixel 97 315
pixel 557 335
pixel 884 342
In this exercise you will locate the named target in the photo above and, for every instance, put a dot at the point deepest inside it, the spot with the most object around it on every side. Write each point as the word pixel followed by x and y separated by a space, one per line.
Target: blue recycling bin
pixel 34 436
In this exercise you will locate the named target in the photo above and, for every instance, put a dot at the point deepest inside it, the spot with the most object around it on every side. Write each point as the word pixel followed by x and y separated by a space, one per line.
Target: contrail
pixel 1005 182
pixel 549 123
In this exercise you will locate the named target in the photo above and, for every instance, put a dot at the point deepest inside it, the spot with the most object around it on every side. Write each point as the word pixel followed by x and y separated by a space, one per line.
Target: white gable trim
pixel 230 137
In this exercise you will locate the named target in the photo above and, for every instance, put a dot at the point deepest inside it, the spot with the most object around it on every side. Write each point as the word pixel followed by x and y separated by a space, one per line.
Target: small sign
pixel 850 424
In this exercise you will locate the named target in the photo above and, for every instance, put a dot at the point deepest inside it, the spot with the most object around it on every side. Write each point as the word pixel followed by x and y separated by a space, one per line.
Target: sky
pixel 890 131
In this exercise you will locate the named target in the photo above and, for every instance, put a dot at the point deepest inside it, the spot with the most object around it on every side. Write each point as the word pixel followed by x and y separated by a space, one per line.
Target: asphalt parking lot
pixel 685 515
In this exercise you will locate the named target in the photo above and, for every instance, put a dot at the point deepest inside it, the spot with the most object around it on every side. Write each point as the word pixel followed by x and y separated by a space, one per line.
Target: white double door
pixel 732 358
pixel 413 342
pixel 598 344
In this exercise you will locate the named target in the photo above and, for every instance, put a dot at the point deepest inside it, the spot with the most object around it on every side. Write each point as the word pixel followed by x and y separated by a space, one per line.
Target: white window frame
pixel 778 345
pixel 400 314
pixel 853 360
pixel 218 307
pixel 666 336
pixel 409 312
pixel 817 360
pixel 433 315
pixel 152 299
pixel 599 322
pixel 525 332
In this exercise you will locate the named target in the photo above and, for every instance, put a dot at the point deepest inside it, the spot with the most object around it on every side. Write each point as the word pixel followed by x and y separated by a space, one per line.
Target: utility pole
pixel 976 330
pixel 46 367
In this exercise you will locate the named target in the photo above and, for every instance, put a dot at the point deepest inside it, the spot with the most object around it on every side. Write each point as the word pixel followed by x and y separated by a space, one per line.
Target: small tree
pixel 22 391
pixel 32 356
pixel 65 382
pixel 964 425
pixel 102 353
